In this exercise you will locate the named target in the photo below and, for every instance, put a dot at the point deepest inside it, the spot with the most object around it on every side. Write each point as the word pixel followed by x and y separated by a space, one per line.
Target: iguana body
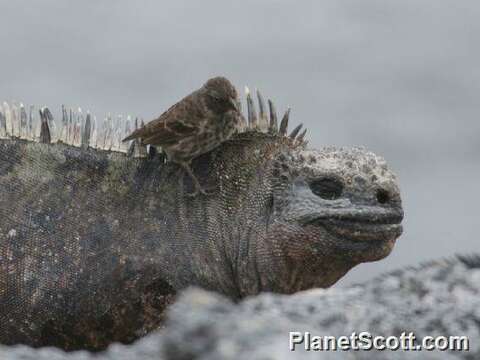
pixel 94 244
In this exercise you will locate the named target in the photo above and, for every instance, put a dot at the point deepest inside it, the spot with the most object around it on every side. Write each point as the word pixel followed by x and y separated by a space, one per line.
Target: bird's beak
pixel 234 104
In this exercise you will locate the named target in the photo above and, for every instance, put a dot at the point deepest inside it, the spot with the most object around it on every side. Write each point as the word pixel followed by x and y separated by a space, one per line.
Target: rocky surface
pixel 440 298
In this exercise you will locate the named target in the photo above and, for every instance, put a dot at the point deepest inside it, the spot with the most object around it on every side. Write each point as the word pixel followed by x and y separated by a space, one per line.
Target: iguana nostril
pixel 328 188
pixel 383 196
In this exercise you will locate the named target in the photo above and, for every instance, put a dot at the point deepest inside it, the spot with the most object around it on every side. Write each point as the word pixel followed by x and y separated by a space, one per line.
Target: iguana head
pixel 311 215
pixel 331 210
pixel 318 213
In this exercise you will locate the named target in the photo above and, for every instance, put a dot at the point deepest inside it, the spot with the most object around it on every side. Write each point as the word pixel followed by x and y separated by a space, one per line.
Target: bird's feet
pixel 200 190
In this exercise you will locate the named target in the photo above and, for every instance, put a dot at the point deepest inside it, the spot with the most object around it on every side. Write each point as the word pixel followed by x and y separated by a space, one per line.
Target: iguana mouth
pixel 363 231
pixel 363 225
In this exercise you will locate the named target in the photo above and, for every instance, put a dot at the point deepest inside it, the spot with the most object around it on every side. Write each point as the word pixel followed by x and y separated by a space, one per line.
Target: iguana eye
pixel 328 188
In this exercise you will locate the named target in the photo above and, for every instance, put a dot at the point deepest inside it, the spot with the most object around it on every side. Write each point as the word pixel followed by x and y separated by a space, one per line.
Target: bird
pixel 195 125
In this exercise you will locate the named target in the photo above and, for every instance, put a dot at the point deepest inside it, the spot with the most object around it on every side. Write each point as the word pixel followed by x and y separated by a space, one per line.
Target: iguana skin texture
pixel 95 244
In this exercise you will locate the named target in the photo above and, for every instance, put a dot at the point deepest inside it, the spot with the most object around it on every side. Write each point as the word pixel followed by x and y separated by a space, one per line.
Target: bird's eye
pixel 328 188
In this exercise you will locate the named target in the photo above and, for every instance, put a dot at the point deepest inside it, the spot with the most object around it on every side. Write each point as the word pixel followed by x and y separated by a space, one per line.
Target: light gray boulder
pixel 441 298
pixel 437 299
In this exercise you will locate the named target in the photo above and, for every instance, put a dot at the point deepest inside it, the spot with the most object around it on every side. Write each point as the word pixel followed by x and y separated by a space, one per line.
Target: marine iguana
pixel 94 244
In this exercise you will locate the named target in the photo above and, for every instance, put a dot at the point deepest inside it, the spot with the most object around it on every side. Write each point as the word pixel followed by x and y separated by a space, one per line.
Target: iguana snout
pixel 351 205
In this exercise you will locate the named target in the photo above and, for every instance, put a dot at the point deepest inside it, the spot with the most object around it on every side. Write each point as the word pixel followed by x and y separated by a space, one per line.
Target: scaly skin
pixel 94 244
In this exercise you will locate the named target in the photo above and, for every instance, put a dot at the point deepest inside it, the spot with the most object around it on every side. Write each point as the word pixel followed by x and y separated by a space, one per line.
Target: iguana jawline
pixel 370 225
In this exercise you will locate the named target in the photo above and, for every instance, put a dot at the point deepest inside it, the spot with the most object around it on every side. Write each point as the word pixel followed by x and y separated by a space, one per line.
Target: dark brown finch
pixel 195 125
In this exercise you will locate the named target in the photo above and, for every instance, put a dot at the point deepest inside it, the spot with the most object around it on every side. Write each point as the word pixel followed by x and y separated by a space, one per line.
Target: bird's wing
pixel 170 134
pixel 179 121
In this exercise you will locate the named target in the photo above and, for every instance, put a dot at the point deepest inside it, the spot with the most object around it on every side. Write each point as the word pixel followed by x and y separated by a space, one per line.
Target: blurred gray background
pixel 400 77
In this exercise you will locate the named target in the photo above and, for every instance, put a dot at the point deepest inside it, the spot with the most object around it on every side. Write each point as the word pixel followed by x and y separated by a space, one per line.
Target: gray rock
pixel 437 299
pixel 441 298
pixel 147 348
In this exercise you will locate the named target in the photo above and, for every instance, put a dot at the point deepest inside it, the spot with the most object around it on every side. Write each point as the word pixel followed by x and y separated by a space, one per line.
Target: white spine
pixel 3 129
pixel 93 137
pixel 64 125
pixel 51 125
pixel 103 133
pixel 77 128
pixel 15 120
pixel 8 119
pixel 118 132
pixel 128 131
pixel 23 121
pixel 31 110
pixel 37 128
